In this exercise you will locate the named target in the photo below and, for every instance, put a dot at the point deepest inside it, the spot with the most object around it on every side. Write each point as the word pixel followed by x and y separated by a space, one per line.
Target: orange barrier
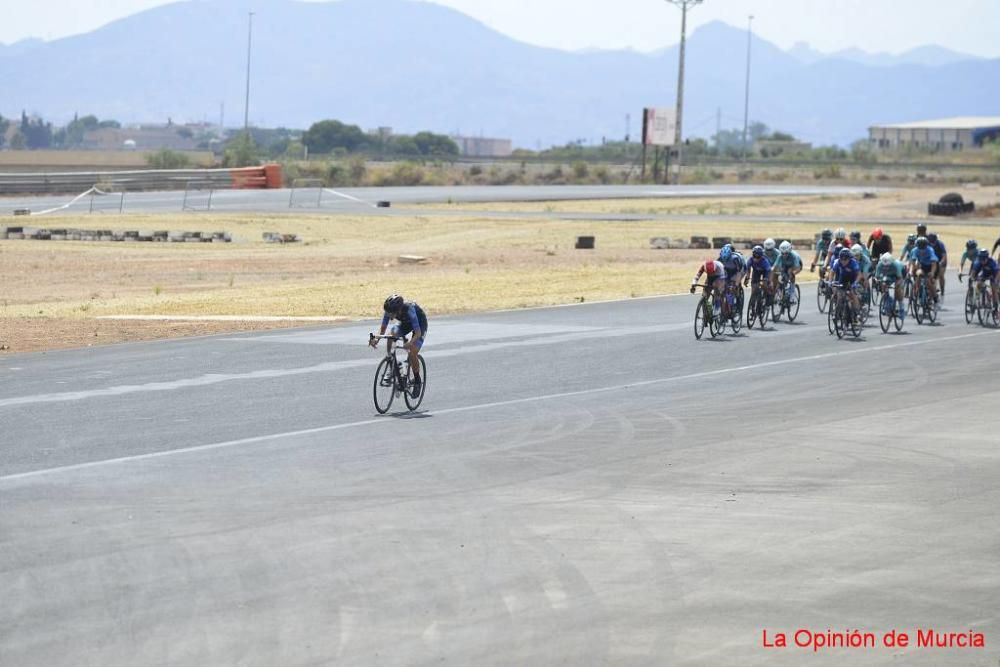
pixel 268 176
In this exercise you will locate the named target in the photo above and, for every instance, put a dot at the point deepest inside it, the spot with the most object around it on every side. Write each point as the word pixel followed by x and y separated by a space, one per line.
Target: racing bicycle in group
pixel 758 309
pixel 922 306
pixel 979 304
pixel 394 376
pixel 786 301
pixel 823 291
pixel 714 314
pixel 890 312
pixel 842 317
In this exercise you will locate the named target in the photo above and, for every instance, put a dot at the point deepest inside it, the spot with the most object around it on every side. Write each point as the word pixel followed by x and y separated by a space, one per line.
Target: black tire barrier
pixel 382 204
pixel 719 241
pixel 950 208
pixel 951 198
pixel 584 242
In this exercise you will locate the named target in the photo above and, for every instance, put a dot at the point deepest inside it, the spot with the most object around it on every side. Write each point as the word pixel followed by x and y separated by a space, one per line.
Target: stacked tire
pixel 951 204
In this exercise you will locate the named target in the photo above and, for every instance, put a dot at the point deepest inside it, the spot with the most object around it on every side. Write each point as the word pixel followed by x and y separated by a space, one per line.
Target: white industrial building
pixel 947 134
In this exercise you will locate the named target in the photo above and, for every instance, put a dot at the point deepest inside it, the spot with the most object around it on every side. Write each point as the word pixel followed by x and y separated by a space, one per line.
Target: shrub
pixel 167 159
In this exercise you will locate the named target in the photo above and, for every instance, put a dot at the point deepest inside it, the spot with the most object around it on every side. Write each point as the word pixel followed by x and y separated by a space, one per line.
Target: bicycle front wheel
pixel 414 403
pixel 384 388
pixel 970 304
pixel 701 317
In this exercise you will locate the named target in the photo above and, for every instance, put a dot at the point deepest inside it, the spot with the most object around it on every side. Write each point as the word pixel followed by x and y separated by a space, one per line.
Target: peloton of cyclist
pixel 847 272
pixel 822 250
pixel 412 319
pixel 986 269
pixel 788 264
pixel 924 261
pixel 891 272
pixel 942 253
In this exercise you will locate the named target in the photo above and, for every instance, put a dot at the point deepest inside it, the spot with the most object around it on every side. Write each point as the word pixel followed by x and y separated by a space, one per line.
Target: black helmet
pixel 921 229
pixel 827 234
pixel 983 253
pixel 932 237
pixel 856 236
pixel 845 253
pixel 911 238
pixel 393 304
pixel 971 244
pixel 758 251
pixel 922 242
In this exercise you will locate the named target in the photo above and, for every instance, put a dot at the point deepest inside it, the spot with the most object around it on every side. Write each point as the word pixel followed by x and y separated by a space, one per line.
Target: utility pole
pixel 746 101
pixel 246 105
pixel 683 4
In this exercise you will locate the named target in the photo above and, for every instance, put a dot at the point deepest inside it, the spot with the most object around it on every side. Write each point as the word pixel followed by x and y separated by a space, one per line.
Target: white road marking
pixel 483 406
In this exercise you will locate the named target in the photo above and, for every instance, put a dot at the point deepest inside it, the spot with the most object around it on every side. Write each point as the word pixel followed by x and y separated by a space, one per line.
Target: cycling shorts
pixel 404 329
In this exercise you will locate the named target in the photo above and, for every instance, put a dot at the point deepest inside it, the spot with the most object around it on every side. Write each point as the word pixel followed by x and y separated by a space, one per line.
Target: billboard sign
pixel 659 126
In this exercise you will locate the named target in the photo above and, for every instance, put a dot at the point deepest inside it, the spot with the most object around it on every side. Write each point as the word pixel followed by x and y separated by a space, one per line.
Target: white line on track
pixel 480 406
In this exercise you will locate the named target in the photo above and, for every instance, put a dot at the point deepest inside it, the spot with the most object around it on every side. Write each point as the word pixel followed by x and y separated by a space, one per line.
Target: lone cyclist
pixel 411 319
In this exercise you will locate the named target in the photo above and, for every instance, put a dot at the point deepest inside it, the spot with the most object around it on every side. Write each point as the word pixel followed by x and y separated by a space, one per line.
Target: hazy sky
pixel 970 26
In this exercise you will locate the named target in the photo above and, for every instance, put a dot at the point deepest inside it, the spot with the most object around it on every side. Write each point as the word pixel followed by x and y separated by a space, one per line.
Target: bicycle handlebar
pixel 372 337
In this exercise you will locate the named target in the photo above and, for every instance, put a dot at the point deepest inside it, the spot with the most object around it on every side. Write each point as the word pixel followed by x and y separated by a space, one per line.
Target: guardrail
pixel 267 176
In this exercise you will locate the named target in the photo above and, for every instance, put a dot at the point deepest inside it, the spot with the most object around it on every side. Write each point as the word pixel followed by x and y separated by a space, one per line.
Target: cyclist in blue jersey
pixel 789 264
pixel 986 269
pixel 891 272
pixel 847 272
pixel 942 254
pixel 924 261
pixel 970 255
pixel 734 264
pixel 758 269
pixel 822 248
pixel 412 320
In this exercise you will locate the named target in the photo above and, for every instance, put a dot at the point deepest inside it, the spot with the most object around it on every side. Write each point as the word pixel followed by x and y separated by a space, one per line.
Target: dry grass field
pixel 56 293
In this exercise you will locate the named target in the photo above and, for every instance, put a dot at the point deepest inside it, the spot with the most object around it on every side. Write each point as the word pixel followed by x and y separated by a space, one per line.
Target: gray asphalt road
pixel 586 485
pixel 353 199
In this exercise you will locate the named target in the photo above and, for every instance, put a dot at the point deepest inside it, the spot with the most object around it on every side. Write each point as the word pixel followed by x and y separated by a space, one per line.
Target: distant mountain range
pixel 415 65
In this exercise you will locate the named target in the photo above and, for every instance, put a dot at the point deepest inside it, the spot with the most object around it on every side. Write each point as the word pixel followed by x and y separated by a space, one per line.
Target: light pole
pixel 683 4
pixel 746 101
pixel 246 104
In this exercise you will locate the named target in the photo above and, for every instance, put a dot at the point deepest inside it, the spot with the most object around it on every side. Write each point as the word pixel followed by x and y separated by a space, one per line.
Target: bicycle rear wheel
pixel 970 304
pixel 822 299
pixel 793 308
pixel 414 403
pixel 384 388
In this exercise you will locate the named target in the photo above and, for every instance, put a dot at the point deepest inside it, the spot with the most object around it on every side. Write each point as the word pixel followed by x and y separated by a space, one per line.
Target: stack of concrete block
pixel 130 236
pixel 274 237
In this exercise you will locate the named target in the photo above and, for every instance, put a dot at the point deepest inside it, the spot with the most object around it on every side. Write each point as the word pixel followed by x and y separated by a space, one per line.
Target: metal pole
pixel 746 102
pixel 683 4
pixel 246 105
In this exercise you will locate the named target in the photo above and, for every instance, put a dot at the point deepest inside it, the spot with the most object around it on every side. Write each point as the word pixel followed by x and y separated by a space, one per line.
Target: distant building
pixel 145 138
pixel 946 134
pixel 483 147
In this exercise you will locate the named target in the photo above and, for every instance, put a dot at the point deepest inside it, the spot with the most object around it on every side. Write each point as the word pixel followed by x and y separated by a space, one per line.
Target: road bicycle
pixel 394 376
pixel 842 316
pixel 823 291
pixel 708 315
pixel 922 306
pixel 979 300
pixel 757 309
pixel 787 300
pixel 890 312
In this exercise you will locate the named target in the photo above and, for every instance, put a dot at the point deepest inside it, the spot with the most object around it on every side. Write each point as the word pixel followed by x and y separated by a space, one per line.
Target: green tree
pixel 37 133
pixel 4 124
pixel 435 145
pixel 326 135
pixel 241 151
